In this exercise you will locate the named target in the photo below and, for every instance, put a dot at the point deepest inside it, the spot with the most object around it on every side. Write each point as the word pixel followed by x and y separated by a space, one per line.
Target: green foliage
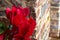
pixel 2 27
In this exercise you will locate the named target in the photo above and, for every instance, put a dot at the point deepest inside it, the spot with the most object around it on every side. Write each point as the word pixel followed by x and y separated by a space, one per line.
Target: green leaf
pixel 2 27
pixel 1 31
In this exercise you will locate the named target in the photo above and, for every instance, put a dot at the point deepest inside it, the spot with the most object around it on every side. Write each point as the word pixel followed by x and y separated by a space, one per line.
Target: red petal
pixel 1 37
pixel 31 27
pixel 26 11
pixel 8 12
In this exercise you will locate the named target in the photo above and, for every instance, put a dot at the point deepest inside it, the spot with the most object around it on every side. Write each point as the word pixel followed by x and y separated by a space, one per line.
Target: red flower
pixel 18 19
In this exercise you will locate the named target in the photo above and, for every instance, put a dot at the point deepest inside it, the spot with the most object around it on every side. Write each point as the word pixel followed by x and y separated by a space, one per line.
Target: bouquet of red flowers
pixel 22 25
